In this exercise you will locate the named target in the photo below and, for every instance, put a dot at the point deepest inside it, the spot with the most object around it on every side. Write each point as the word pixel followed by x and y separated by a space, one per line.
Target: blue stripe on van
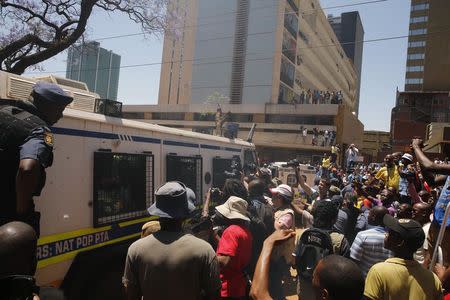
pixel 203 146
pixel 183 144
pixel 85 133
pixel 143 139
pixel 233 149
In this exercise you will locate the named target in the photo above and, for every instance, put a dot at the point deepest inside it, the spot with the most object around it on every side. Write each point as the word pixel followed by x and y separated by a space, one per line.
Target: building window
pixel 416 56
pixel 291 22
pixel 417 44
pixel 285 95
pixel 414 80
pixel 204 116
pixel 168 116
pixel 418 31
pixel 287 73
pixel 294 4
pixel 420 19
pixel 289 47
pixel 414 69
pixel 422 6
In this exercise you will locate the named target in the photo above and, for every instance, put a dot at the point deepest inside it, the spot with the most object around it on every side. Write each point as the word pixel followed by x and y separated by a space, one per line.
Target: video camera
pixel 235 170
pixel 18 287
pixel 294 163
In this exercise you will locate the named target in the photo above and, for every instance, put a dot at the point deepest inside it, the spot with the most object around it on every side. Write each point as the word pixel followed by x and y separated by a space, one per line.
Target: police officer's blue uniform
pixel 24 134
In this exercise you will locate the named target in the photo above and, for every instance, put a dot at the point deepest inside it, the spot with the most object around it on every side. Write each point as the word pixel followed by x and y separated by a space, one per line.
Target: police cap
pixel 52 93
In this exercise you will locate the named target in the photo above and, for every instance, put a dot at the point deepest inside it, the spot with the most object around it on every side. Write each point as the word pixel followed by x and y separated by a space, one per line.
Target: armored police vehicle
pixel 103 178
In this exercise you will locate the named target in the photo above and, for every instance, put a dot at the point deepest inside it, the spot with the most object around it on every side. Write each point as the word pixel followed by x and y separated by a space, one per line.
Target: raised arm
pixel 425 162
pixel 260 285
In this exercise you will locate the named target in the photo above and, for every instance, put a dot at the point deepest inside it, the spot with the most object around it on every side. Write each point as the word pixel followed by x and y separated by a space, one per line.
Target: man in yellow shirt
pixel 401 277
pixel 326 163
pixel 389 173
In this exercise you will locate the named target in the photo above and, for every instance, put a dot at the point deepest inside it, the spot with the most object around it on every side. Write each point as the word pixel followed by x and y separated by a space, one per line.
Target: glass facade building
pixel 96 66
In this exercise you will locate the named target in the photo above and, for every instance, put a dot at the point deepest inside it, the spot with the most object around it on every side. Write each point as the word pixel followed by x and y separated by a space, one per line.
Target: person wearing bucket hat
pixel 172 201
pixel 234 247
pixel 27 150
pixel 401 277
pixel 193 264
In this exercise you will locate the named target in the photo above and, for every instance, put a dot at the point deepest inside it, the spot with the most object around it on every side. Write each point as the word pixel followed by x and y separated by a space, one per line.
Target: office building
pixel 96 66
pixel 426 98
pixel 375 145
pixel 350 32
pixel 263 62
pixel 428 59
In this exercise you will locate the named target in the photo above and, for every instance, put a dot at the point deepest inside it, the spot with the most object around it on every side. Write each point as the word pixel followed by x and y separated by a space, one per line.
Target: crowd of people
pixel 356 232
pixel 319 97
pixel 323 138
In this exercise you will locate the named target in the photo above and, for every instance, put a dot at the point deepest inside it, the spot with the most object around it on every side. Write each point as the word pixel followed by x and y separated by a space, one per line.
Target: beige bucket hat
pixel 234 208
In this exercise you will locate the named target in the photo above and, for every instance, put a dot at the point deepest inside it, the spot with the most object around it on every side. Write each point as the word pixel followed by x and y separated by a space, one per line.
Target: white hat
pixel 408 157
pixel 284 190
pixel 234 208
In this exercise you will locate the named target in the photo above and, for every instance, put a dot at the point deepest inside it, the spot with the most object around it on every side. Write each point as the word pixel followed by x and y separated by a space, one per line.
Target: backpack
pixel 313 245
pixel 264 212
pixel 257 213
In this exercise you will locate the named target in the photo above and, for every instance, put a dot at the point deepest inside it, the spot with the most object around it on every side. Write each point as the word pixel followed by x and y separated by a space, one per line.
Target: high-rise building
pixel 96 66
pixel 350 32
pixel 426 98
pixel 278 65
pixel 254 54
pixel 428 59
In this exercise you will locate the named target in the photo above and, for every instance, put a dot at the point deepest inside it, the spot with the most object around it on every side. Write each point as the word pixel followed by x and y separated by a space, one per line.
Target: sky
pixel 383 69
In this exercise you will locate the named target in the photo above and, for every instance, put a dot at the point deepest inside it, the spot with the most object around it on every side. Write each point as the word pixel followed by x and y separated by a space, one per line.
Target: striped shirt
pixel 368 248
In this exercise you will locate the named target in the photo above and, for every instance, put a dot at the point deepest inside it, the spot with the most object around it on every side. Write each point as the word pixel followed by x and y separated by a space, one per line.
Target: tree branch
pixel 31 13
pixel 58 46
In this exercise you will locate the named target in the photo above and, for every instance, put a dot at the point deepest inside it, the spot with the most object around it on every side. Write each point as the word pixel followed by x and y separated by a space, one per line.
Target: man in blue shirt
pixel 368 247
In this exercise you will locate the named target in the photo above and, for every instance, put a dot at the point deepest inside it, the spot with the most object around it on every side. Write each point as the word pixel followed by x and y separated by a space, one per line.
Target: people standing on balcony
pixel 315 136
pixel 326 138
pixel 315 97
pixel 327 97
pixel 340 97
pixel 321 97
pixel 304 134
pixel 308 97
pixel 302 97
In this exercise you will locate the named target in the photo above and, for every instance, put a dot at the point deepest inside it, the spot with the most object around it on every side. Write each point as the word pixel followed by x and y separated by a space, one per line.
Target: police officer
pixel 26 149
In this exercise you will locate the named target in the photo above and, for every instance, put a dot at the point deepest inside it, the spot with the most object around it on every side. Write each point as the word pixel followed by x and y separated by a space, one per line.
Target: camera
pixel 294 163
pixel 235 170
pixel 215 195
pixel 18 287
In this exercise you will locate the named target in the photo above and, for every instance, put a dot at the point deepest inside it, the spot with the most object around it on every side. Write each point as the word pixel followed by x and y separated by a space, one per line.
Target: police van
pixel 103 178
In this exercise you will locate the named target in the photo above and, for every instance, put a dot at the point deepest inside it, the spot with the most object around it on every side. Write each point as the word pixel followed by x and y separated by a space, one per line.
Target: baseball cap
pixel 284 190
pixel 409 230
pixel 408 157
pixel 52 93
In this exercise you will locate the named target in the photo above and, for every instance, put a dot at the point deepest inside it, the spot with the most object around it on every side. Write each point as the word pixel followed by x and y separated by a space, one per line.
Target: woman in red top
pixel 234 248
